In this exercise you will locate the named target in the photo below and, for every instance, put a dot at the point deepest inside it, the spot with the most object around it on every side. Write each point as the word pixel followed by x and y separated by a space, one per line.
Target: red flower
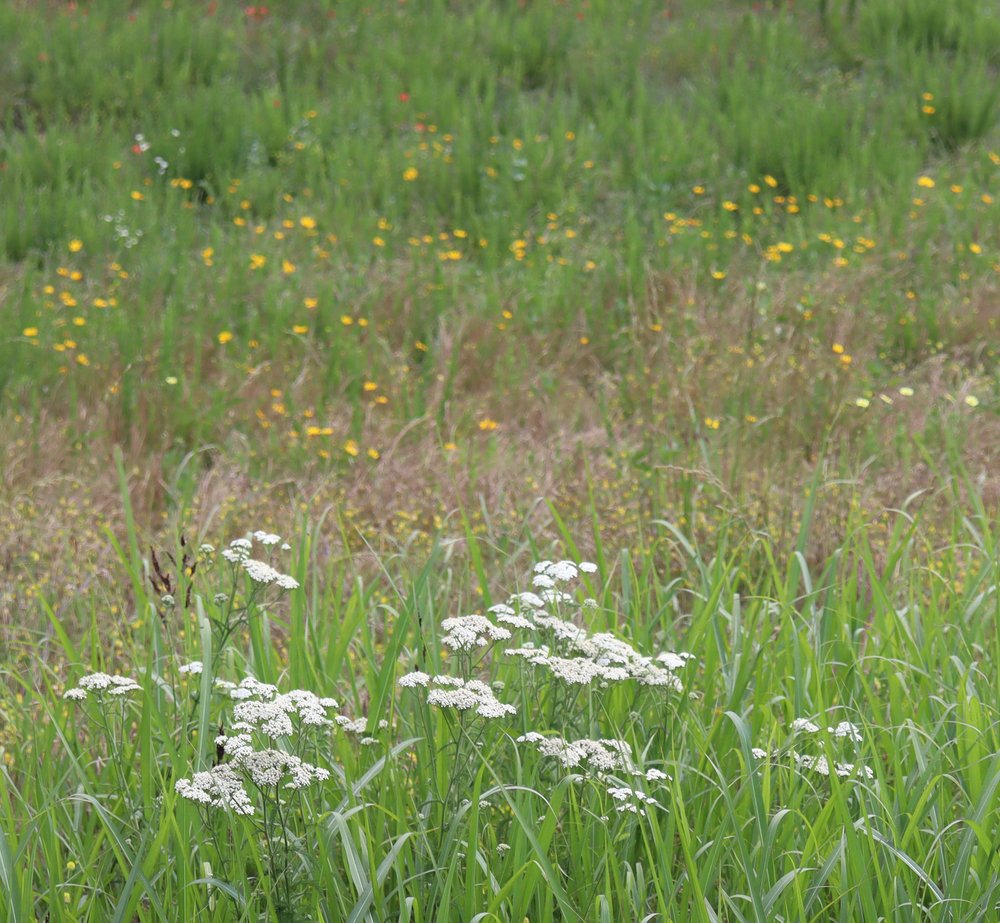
pixel 404 97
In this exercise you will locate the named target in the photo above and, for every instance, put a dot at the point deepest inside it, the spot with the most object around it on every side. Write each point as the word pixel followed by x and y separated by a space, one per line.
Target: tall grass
pixel 445 816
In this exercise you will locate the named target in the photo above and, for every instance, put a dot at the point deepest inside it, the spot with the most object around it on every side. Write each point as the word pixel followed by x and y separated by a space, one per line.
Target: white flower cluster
pixel 600 757
pixel 453 692
pixel 632 800
pixel 260 707
pixel 821 765
pixel 269 768
pixel 261 572
pixel 195 667
pixel 845 730
pixel 220 787
pixel 259 710
pixel 508 616
pixel 101 684
pixel 238 551
pixel 465 632
pixel 579 658
pixel 595 755
pixel 563 571
pixel 605 658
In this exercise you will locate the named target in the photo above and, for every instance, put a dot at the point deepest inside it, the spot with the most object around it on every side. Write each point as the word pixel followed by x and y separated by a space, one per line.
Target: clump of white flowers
pixel 821 765
pixel 631 800
pixel 467 632
pixel 462 695
pixel 219 787
pixel 267 728
pixel 845 732
pixel 260 572
pixel 595 755
pixel 102 684
pixel 472 695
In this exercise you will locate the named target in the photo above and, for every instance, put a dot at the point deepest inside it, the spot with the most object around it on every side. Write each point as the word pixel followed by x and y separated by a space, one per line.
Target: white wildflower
pixel 466 632
pixel 220 787
pixel 104 683
pixel 758 754
pixel 848 730
pixel 75 694
pixel 352 725
pixel 259 571
pixel 273 716
pixel 270 768
pixel 821 765
pixel 804 725
pixel 673 660
pixel 267 717
pixel 588 567
pixel 656 775
pixel 555 596
pixel 472 695
pixel 267 538
pixel 194 667
pixel 596 755
pixel 509 617
pixel 543 580
pixel 562 571
pixel 462 699
pixel 250 687
pixel 631 800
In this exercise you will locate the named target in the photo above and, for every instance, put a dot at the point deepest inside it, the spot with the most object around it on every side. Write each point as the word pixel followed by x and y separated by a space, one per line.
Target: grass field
pixel 663 336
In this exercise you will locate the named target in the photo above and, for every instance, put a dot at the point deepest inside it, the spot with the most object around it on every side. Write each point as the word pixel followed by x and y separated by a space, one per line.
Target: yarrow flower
pixel 102 684
pixel 220 787
pixel 848 730
pixel 600 756
pixel 472 695
pixel 821 765
pixel 506 614
pixel 466 632
pixel 194 667
pixel 631 800
pixel 261 708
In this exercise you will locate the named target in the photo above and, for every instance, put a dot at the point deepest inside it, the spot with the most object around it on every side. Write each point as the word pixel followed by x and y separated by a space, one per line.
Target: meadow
pixel 499 461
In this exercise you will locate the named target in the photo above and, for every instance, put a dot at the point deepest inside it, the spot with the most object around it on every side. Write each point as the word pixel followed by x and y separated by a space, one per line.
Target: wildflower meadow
pixel 500 461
